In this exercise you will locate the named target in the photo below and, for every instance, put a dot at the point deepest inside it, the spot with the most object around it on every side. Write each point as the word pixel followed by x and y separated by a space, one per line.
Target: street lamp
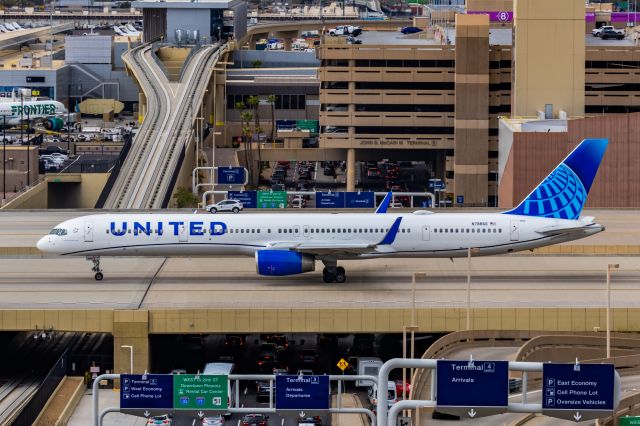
pixel 130 355
pixel 470 250
pixel 411 328
pixel 609 268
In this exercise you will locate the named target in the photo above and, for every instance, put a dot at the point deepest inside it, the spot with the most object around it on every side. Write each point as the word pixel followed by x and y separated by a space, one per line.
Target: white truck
pixel 368 366
pixel 345 30
pixel 598 31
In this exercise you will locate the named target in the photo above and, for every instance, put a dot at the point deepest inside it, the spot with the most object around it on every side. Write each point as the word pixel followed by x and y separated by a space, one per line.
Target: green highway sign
pixel 629 421
pixel 272 199
pixel 200 392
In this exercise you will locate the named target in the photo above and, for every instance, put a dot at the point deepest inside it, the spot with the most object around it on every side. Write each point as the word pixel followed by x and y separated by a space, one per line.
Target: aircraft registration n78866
pixel 288 243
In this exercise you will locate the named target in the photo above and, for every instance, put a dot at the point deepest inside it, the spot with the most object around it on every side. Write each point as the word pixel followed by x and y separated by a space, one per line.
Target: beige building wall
pixel 549 56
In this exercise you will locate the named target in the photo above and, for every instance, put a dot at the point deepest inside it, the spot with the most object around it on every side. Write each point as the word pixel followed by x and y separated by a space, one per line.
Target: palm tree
pixel 254 104
pixel 271 100
pixel 247 134
pixel 240 107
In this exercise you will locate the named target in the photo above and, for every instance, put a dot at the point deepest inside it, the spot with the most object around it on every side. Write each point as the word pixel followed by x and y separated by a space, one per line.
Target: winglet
pixel 391 235
pixel 384 205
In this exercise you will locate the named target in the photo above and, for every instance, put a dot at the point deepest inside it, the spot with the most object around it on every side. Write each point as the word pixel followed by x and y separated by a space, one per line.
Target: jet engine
pixel 283 262
pixel 54 123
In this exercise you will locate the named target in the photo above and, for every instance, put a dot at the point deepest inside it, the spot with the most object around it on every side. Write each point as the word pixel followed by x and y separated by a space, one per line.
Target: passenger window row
pixel 467 230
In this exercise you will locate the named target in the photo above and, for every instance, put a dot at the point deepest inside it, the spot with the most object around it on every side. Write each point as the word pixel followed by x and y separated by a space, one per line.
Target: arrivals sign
pixel 472 388
pixel 302 392
pixel 330 200
pixel 249 199
pixel 231 176
pixel 578 391
pixel 272 199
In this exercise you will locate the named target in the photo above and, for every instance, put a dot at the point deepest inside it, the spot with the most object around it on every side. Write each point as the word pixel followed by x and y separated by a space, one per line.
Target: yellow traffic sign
pixel 343 364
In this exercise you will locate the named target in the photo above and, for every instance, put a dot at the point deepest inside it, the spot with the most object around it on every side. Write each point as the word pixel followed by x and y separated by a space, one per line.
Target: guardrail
pixel 36 403
pixel 115 171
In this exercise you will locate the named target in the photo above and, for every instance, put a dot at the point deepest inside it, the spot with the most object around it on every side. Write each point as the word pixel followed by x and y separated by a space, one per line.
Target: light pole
pixel 4 158
pixel 470 250
pixel 130 356
pixel 412 328
pixel 609 268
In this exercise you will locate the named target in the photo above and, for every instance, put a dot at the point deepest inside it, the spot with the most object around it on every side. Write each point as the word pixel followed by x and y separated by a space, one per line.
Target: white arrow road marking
pixel 147 413
pixel 200 414
pixel 577 416
pixel 301 414
pixel 472 413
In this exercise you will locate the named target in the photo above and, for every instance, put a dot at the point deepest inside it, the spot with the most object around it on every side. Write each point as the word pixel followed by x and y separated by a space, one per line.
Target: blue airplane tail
pixel 564 192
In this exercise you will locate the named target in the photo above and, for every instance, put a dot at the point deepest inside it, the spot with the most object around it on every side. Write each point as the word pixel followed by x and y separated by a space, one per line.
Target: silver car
pixel 234 206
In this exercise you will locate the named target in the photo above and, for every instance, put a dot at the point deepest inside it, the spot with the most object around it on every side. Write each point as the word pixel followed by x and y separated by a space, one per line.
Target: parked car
pixel 353 40
pixel 410 30
pixel 234 206
pixel 345 30
pixel 310 421
pixel 598 31
pixel 607 34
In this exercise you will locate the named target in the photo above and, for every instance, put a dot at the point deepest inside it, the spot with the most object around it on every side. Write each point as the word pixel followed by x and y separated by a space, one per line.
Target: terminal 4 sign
pixel 472 388
pixel 579 392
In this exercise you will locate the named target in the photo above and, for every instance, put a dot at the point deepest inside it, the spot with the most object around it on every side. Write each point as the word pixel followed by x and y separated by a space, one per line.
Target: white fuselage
pixel 17 111
pixel 420 235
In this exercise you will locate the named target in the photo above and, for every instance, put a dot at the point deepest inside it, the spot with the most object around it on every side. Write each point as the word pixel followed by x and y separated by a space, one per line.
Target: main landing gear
pixel 96 267
pixel 332 272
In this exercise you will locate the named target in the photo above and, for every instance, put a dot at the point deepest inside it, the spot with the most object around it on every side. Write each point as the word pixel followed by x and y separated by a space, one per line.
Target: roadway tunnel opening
pixel 262 353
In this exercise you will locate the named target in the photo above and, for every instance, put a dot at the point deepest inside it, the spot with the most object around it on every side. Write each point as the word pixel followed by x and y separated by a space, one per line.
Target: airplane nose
pixel 43 244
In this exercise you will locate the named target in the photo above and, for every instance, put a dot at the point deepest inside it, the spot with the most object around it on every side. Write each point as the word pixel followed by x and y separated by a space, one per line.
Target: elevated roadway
pixel 149 172
pixel 15 38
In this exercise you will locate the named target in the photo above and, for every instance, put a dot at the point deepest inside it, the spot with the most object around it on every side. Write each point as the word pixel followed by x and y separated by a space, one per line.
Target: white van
pixel 368 366
pixel 224 368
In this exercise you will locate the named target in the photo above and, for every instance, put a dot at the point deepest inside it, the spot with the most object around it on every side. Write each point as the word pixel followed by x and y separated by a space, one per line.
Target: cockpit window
pixel 58 231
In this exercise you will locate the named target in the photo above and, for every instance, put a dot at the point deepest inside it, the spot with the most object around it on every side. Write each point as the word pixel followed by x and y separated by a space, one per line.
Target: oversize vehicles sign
pixel 152 392
pixel 578 391
pixel 472 388
pixel 230 175
pixel 302 392
pixel 272 199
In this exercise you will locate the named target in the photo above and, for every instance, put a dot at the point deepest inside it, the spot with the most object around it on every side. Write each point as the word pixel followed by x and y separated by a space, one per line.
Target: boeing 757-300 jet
pixel 289 243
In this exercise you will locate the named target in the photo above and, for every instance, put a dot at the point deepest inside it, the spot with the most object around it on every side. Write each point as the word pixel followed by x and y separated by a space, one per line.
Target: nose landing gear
pixel 96 267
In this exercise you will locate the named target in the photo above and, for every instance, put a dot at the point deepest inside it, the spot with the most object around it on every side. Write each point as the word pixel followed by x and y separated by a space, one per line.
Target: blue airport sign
pixel 579 391
pixel 249 199
pixel 330 200
pixel 436 184
pixel 360 200
pixel 151 393
pixel 459 199
pixel 302 392
pixel 231 176
pixel 472 388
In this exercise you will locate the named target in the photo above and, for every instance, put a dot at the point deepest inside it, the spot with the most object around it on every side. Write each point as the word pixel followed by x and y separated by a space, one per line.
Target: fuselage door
pixel 425 233
pixel 515 230
pixel 183 235
pixel 88 231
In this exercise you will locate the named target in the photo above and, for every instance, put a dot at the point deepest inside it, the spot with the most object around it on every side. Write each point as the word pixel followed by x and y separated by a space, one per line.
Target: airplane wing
pixel 323 248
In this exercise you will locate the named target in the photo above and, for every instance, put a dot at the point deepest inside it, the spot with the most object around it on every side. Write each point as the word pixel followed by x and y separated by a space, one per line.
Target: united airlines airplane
pixel 288 244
